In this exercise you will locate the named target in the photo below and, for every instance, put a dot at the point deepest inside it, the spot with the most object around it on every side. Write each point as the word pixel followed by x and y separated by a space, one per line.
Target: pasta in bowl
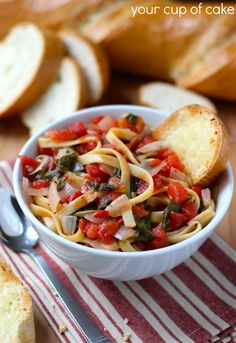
pixel 104 182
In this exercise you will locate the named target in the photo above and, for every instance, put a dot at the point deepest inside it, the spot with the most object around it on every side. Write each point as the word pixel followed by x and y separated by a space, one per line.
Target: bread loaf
pixel 29 61
pixel 63 97
pixel 92 61
pixel 200 139
pixel 16 311
pixel 169 98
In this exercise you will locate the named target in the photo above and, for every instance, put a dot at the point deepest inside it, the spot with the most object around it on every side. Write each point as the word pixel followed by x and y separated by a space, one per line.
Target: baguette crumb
pixel 63 328
pixel 127 336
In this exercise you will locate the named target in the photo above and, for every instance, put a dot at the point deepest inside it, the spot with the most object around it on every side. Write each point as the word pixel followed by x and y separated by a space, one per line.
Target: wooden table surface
pixel 13 135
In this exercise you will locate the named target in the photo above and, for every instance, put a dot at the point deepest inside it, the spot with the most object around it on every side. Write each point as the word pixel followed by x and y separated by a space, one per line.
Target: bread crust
pixel 25 331
pixel 43 76
pixel 222 143
pixel 147 45
pixel 216 75
pixel 100 59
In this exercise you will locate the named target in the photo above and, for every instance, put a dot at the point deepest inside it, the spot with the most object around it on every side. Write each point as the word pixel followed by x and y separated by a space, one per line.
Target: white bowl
pixel 119 265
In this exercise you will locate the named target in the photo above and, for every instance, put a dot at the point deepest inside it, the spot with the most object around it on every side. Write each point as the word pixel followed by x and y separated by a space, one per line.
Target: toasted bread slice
pixel 16 311
pixel 63 97
pixel 29 62
pixel 169 98
pixel 92 61
pixel 200 139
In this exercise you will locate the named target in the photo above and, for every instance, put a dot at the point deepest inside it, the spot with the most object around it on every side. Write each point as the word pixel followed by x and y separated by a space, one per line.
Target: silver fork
pixel 24 239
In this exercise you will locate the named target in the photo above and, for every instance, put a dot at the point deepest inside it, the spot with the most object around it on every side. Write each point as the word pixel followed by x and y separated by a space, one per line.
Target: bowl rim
pixel 81 248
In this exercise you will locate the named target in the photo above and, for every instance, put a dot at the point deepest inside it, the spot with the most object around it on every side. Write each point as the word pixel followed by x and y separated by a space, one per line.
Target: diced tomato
pixel 177 192
pixel 164 153
pixel 94 171
pixel 71 197
pixel 142 186
pixel 107 229
pixel 174 161
pixel 177 220
pixel 198 190
pixel 96 120
pixel 83 224
pixel 141 245
pixel 140 211
pixel 92 231
pixel 146 140
pixel 154 163
pixel 61 135
pixel 160 239
pixel 70 133
pixel 28 165
pixel 158 184
pixel 85 147
pixel 101 214
pixel 189 209
pixel 46 151
pixel 78 129
pixel 107 198
pixel 37 184
pixel 29 161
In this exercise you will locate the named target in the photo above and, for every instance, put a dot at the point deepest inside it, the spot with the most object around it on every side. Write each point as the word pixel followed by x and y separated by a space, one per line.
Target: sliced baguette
pixel 169 98
pixel 63 97
pixel 16 311
pixel 200 139
pixel 92 61
pixel 29 62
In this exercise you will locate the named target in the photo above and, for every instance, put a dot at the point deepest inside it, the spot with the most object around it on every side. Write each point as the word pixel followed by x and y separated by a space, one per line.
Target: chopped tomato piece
pixel 198 190
pixel 92 231
pixel 29 161
pixel 37 184
pixel 78 129
pixel 96 120
pixel 70 133
pixel 83 224
pixel 107 229
pixel 101 214
pixel 140 211
pixel 160 239
pixel 85 147
pixel 94 171
pixel 71 197
pixel 174 161
pixel 46 151
pixel 189 209
pixel 146 140
pixel 158 184
pixel 164 153
pixel 177 220
pixel 177 192
pixel 154 163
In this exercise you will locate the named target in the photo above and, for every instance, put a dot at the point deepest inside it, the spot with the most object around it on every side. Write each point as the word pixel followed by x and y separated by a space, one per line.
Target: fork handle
pixel 88 328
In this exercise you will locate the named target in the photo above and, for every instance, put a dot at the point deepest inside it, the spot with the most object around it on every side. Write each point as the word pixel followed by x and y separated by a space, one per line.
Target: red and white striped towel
pixel 195 302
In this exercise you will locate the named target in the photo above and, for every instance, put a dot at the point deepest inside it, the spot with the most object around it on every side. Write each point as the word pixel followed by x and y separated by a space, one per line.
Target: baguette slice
pixel 200 139
pixel 92 61
pixel 29 62
pixel 65 96
pixel 16 310
pixel 169 98
pixel 215 74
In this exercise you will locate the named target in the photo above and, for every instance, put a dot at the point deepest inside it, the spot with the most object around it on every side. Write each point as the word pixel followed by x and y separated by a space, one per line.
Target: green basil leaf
pixel 144 229
pixel 67 162
pixel 172 206
pixel 132 119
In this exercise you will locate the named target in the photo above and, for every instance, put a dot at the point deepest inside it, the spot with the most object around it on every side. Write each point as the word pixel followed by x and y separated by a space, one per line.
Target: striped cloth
pixel 195 302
